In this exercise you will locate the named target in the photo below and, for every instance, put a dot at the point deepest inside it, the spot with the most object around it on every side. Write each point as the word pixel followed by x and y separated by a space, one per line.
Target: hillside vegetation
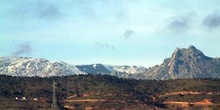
pixel 108 92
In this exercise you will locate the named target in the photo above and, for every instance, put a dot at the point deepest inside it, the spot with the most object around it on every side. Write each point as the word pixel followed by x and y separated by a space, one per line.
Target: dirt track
pixel 86 100
pixel 187 93
pixel 204 102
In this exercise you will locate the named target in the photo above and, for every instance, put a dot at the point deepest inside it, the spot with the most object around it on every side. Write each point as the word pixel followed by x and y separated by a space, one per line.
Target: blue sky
pixel 119 32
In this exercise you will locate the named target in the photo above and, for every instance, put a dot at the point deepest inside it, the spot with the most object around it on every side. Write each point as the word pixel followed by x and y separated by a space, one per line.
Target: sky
pixel 116 32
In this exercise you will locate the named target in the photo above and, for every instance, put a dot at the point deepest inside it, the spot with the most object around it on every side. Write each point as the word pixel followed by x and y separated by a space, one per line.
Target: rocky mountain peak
pixel 185 60
pixel 186 63
pixel 192 47
pixel 187 54
pixel 194 52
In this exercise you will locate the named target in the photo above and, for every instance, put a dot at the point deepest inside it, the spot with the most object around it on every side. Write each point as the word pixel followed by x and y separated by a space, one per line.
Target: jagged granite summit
pixel 185 63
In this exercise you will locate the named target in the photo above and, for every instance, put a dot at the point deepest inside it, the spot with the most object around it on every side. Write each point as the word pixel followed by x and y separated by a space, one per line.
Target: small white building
pixel 16 98
pixel 35 99
pixel 23 98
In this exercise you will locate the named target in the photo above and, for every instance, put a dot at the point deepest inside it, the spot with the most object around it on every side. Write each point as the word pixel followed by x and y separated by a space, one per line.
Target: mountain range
pixel 184 63
pixel 26 66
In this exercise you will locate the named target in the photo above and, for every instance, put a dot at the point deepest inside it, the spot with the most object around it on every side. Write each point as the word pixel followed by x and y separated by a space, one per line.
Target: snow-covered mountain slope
pixel 127 69
pixel 24 66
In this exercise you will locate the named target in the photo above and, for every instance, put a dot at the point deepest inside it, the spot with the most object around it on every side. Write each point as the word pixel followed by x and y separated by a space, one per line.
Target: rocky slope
pixel 185 63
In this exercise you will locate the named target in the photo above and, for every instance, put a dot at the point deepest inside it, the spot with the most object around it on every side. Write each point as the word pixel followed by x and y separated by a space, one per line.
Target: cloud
pixel 48 11
pixel 128 33
pixel 104 10
pixel 182 23
pixel 39 9
pixel 212 21
pixel 104 45
pixel 24 48
pixel 179 24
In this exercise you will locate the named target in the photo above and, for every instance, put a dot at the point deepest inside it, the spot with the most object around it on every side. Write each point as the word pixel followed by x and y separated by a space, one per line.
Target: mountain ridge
pixel 30 67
